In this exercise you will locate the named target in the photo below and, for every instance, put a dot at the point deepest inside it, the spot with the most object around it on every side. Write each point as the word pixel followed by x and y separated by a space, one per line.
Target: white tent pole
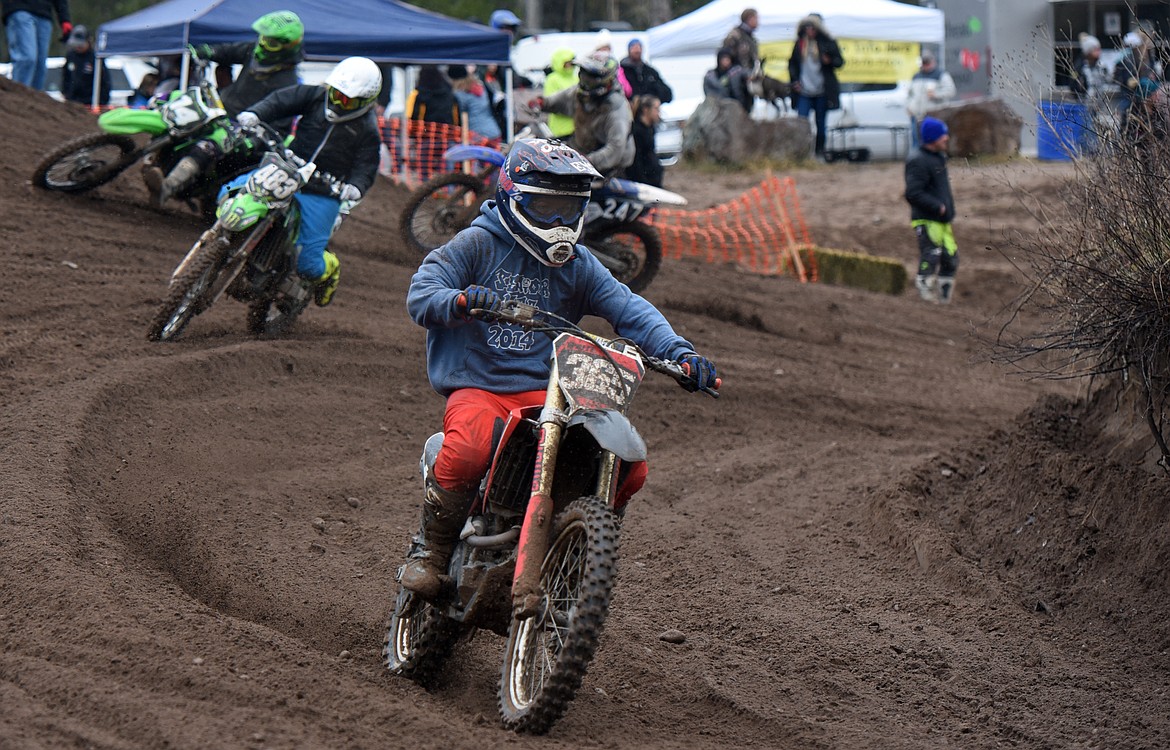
pixel 183 74
pixel 509 108
pixel 97 82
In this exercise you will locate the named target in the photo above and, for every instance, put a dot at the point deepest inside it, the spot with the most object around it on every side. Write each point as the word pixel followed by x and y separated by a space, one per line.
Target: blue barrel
pixel 1063 131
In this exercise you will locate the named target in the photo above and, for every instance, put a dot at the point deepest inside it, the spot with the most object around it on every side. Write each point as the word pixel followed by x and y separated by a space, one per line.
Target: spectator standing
pixel 562 75
pixel 646 167
pixel 1089 80
pixel 433 98
pixel 387 88
pixel 475 102
pixel 644 80
pixel 145 91
pixel 29 26
pixel 494 83
pixel 80 65
pixel 1136 74
pixel 812 71
pixel 602 51
pixel 932 211
pixel 507 21
pixel 727 80
pixel 930 87
pixel 742 42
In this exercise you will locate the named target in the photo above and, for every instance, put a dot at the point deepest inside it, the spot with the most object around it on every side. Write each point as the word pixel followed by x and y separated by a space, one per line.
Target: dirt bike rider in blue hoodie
pixel 522 246
pixel 338 131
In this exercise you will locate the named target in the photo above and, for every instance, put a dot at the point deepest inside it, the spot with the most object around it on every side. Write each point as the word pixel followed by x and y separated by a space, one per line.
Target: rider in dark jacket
pixel 602 120
pixel 268 65
pixel 338 131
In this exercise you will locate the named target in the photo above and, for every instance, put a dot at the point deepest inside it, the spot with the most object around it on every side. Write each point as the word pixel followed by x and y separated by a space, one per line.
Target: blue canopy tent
pixel 383 30
pixel 386 31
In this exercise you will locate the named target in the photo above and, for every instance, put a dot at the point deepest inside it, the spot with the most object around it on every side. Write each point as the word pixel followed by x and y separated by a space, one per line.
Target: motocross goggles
pixel 548 210
pixel 340 101
pixel 273 44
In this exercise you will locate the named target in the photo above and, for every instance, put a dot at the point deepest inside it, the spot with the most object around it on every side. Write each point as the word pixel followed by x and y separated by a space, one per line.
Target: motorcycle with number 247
pixel 538 552
pixel 616 230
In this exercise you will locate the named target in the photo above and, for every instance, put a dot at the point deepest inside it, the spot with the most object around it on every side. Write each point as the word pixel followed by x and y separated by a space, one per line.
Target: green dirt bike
pixel 250 251
pixel 173 127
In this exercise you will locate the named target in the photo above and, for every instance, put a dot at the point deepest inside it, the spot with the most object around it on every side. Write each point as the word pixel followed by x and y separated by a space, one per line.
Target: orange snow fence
pixel 761 231
pixel 417 155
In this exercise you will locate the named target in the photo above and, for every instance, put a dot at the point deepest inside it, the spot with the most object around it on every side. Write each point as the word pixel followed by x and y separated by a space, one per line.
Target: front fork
pixel 534 533
pixel 537 527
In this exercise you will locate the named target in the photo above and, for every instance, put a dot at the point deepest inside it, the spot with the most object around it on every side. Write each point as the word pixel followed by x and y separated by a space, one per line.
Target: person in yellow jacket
pixel 562 75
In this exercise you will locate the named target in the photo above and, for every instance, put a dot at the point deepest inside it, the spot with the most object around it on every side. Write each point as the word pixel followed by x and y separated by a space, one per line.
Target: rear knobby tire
pixel 547 655
pixel 632 252
pixel 85 163
pixel 187 294
pixel 439 209
pixel 418 640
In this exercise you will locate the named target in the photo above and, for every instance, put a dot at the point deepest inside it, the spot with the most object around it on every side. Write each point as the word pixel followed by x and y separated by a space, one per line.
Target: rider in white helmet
pixel 338 131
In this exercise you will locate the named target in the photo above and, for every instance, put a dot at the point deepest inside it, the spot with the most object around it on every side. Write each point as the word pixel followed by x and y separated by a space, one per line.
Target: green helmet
pixel 281 33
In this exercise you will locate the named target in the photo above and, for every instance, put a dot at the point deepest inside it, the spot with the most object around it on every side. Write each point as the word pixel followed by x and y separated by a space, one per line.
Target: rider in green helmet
pixel 268 64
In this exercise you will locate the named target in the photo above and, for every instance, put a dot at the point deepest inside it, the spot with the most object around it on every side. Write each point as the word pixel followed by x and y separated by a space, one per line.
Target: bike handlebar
pixel 532 317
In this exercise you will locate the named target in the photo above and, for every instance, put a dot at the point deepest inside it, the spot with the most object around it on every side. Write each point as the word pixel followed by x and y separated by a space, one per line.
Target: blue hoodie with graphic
pixel 503 358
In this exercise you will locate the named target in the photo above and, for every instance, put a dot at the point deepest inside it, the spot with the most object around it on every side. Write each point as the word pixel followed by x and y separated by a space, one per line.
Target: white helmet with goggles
pixel 541 195
pixel 351 89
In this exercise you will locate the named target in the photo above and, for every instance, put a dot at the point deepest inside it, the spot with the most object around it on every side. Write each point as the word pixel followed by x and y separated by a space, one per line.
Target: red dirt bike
pixel 538 553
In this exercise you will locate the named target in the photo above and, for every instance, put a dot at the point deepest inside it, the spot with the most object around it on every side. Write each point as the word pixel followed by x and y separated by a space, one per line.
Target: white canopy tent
pixel 702 31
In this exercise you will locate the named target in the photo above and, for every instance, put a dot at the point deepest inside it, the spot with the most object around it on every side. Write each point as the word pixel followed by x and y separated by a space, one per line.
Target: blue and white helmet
pixel 541 196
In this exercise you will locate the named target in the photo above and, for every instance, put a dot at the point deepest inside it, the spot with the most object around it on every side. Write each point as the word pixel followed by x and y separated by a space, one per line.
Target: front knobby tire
pixel 268 317
pixel 632 252
pixel 439 209
pixel 187 295
pixel 547 655
pixel 85 163
pixel 418 640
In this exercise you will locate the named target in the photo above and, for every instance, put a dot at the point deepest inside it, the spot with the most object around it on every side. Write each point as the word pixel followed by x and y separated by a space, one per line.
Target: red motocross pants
pixel 468 424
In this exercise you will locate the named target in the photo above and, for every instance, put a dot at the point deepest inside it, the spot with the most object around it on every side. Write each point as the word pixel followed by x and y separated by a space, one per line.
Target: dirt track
pixel 874 539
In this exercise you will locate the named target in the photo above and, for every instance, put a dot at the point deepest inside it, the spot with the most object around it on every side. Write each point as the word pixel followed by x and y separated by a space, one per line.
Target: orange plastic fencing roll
pixel 416 155
pixel 762 231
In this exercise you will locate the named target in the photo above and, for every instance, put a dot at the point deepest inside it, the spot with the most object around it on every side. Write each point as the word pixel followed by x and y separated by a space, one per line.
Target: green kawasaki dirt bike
pixel 250 251
pixel 538 553
pixel 173 127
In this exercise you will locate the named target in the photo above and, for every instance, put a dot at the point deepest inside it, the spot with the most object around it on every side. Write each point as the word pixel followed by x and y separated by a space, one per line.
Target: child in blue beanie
pixel 932 209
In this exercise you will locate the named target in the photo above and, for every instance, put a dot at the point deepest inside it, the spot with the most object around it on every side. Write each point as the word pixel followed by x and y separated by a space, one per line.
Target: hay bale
pixel 868 272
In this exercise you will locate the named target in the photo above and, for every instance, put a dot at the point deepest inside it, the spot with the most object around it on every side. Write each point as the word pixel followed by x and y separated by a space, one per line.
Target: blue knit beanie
pixel 932 130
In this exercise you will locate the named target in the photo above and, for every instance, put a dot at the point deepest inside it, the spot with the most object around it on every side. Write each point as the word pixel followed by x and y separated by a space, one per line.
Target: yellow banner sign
pixel 865 61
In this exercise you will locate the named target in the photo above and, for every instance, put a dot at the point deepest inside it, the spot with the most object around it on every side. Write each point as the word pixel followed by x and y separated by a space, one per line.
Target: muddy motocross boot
pixel 925 286
pixel 443 515
pixel 946 288
pixel 180 177
pixel 327 284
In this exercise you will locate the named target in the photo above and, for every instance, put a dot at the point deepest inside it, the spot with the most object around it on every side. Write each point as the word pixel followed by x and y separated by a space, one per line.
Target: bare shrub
pixel 1101 277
